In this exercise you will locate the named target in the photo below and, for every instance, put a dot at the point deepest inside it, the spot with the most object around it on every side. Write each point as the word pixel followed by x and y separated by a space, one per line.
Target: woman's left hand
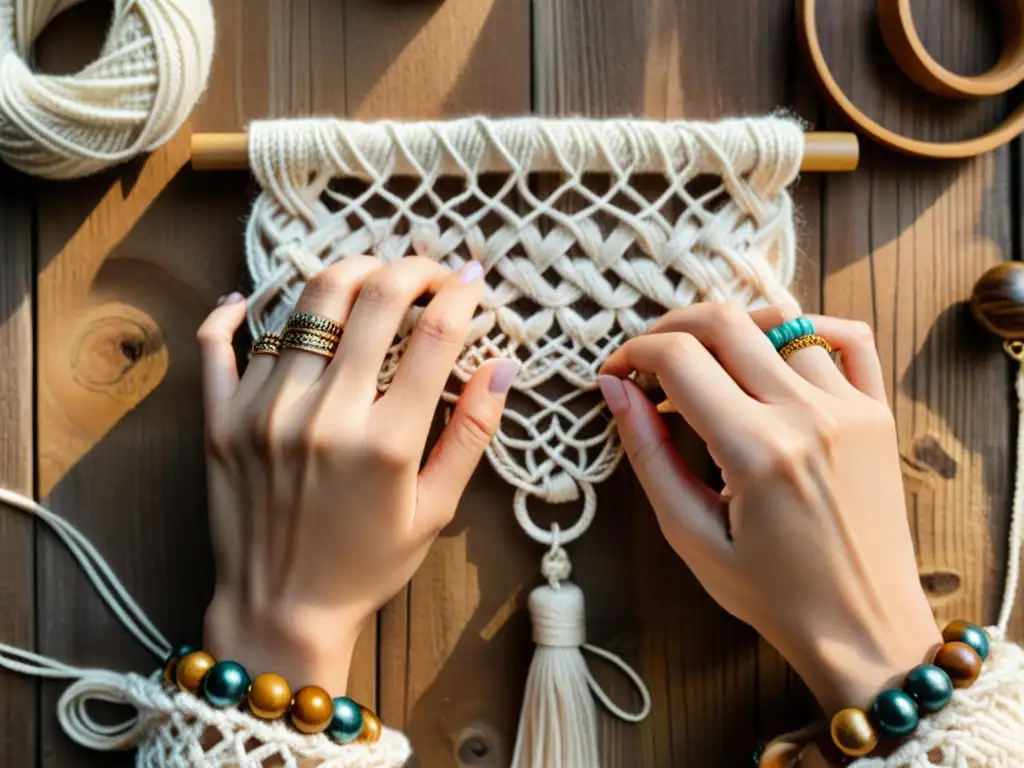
pixel 319 508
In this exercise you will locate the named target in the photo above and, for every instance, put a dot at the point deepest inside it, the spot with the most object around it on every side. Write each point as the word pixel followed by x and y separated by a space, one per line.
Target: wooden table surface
pixel 99 399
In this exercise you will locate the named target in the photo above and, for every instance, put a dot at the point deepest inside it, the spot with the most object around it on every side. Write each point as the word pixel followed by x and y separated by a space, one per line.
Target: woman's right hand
pixel 809 543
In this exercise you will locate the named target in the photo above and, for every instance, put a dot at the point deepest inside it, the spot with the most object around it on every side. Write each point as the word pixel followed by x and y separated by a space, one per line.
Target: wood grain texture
pixel 905 241
pixel 129 263
pixel 451 667
pixel 19 696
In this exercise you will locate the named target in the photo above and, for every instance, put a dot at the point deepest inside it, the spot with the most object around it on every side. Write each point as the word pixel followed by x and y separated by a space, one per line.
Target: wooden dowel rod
pixel 824 152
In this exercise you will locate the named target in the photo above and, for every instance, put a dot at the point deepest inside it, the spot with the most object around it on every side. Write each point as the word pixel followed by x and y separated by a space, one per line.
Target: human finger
pixel 855 342
pixel 689 512
pixel 736 341
pixel 329 294
pixel 457 453
pixel 812 363
pixel 383 301
pixel 434 345
pixel 217 352
pixel 711 402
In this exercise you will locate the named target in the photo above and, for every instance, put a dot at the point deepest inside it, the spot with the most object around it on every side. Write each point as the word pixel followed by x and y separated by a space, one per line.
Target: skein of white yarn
pixel 151 71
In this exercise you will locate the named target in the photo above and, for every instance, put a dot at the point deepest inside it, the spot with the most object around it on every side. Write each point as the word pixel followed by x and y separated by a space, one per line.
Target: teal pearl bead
pixel 929 686
pixel 894 714
pixel 975 637
pixel 184 650
pixel 781 335
pixel 347 723
pixel 226 685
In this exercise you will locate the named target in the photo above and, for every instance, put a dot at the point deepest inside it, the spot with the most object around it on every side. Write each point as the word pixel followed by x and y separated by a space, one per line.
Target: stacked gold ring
pixel 307 321
pixel 311 333
pixel 803 342
pixel 267 344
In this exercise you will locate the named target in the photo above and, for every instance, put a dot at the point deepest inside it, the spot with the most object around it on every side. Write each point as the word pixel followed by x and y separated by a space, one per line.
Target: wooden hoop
pixel 902 39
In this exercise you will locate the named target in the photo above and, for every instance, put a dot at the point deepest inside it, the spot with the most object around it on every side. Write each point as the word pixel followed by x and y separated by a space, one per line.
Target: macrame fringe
pixel 558 721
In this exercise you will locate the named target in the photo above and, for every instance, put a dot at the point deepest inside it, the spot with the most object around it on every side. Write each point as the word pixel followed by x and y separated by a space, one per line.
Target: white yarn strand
pixel 152 69
pixel 171 728
pixel 1013 553
pixel 572 273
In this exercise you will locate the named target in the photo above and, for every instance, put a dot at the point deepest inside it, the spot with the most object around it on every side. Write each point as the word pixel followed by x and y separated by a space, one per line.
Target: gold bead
pixel 372 728
pixel 312 709
pixel 269 696
pixel 169 671
pixel 192 669
pixel 853 733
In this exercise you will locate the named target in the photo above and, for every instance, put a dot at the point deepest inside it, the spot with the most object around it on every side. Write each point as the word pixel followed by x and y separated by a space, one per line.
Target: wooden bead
pixel 998 301
pixel 969 634
pixel 960 662
pixel 312 709
pixel 171 670
pixel 372 728
pixel 853 733
pixel 269 696
pixel 192 669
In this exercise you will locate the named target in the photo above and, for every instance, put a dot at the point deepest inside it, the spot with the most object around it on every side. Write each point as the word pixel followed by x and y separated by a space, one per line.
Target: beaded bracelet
pixel 311 709
pixel 927 688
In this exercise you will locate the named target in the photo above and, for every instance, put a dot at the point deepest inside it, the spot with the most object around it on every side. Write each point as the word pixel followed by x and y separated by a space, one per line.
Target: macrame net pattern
pixel 587 230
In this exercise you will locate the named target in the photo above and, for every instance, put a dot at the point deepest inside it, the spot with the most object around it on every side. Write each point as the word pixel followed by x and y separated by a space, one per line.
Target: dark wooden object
pixel 998 301
pixel 129 263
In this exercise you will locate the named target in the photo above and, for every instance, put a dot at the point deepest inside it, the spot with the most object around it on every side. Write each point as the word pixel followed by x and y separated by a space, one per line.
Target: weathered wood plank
pixel 451 670
pixel 19 696
pixel 904 242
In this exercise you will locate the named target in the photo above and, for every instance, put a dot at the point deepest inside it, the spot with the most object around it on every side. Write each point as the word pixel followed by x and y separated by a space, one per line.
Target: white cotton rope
pixel 171 728
pixel 574 265
pixel 150 73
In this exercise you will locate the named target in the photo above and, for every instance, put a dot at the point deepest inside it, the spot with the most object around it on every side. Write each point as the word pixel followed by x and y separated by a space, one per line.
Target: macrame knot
pixel 556 567
pixel 558 616
pixel 560 488
pixel 305 263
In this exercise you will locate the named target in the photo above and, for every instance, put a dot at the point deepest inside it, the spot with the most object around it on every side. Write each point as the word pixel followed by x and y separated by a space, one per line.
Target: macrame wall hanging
pixel 587 231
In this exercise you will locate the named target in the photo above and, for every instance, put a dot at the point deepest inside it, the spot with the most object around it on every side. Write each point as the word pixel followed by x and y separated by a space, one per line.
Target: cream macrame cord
pixel 151 72
pixel 171 727
pixel 587 231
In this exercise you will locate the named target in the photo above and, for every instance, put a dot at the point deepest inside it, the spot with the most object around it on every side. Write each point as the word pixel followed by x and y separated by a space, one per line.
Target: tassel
pixel 558 722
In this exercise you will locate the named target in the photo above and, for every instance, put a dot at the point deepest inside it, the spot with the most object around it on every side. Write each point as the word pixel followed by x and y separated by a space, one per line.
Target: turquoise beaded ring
pixel 791 330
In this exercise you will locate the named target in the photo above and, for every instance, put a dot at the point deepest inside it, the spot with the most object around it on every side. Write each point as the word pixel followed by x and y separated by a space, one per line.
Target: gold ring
pixel 267 344
pixel 308 341
pixel 803 342
pixel 307 321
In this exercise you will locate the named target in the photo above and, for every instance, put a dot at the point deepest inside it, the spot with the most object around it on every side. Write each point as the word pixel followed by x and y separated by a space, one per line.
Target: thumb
pixel 216 353
pixel 453 459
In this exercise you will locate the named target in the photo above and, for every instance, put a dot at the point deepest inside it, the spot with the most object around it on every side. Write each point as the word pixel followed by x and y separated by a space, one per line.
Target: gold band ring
pixel 803 342
pixel 308 341
pixel 307 321
pixel 267 344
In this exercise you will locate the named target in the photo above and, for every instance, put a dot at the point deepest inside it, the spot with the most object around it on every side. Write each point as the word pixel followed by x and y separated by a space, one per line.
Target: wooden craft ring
pixel 1003 133
pixel 901 38
pixel 997 303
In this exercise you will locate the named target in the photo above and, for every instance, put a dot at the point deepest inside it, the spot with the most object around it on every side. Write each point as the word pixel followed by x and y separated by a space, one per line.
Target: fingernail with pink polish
pixel 220 300
pixel 502 376
pixel 472 272
pixel 614 393
pixel 233 298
